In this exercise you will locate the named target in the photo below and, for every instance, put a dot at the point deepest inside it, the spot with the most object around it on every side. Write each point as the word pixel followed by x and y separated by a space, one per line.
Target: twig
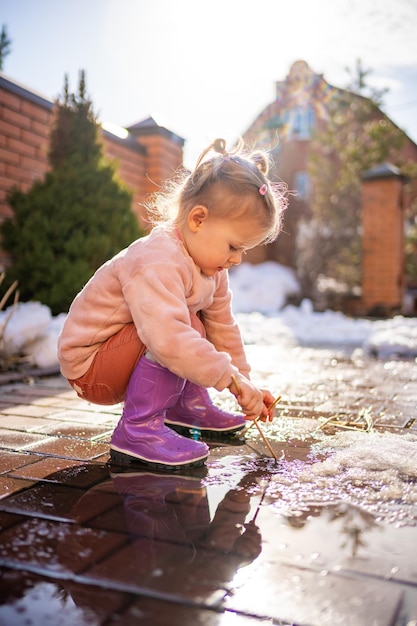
pixel 3 301
pixel 7 294
pixel 255 421
pixel 9 314
pixel 364 417
pixel 268 445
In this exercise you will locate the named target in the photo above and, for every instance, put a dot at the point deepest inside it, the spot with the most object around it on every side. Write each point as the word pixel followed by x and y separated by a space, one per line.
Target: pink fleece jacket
pixel 155 283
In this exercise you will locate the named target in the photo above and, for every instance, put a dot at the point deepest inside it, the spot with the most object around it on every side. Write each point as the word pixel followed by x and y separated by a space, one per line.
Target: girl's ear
pixel 196 217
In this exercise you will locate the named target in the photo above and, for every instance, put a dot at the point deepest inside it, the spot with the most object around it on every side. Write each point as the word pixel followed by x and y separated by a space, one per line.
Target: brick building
pixel 285 127
pixel 146 153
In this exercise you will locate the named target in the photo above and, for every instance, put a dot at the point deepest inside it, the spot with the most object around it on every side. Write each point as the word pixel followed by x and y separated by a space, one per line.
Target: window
pixel 302 185
pixel 302 121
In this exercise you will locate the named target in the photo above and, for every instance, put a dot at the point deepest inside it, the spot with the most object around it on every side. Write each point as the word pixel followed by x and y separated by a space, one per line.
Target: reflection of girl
pixel 174 508
pixel 169 292
pixel 160 538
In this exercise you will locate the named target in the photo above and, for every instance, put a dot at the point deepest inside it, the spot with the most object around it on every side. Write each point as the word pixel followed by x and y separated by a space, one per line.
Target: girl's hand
pixel 254 402
pixel 269 406
pixel 251 399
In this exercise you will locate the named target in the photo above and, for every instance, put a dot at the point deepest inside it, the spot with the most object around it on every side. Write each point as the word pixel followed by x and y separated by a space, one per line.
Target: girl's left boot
pixel 194 411
pixel 141 434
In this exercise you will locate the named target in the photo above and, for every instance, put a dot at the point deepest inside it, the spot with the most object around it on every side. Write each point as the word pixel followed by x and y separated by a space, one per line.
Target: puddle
pixel 208 534
pixel 32 600
pixel 375 471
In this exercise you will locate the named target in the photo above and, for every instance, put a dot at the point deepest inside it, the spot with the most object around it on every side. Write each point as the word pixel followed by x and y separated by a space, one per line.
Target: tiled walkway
pixel 85 543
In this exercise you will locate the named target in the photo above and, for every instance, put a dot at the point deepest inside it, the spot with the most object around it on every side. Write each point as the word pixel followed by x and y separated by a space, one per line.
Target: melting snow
pixel 375 471
pixel 260 292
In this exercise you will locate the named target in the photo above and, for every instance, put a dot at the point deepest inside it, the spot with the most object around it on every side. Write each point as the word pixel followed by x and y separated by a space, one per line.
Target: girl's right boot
pixel 141 434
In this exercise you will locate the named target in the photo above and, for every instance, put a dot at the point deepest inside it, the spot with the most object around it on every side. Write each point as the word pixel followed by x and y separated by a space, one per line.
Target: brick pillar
pixel 164 152
pixel 383 267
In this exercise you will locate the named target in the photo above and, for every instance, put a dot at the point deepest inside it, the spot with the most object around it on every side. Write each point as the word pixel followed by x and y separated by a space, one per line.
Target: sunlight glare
pixel 114 129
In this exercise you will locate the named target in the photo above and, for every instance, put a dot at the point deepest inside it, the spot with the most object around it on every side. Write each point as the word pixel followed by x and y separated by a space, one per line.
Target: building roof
pixel 151 126
pixel 13 86
pixel 145 127
pixel 384 170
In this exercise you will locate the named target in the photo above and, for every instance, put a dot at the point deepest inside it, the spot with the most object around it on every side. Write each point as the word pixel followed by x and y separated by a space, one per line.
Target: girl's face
pixel 216 243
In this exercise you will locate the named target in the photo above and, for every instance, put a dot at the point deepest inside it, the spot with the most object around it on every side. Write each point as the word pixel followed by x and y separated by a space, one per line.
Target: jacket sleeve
pixel 222 328
pixel 155 295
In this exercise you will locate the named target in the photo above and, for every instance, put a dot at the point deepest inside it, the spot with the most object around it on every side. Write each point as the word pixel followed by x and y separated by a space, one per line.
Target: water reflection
pixel 174 509
pixel 174 545
pixel 132 531
pixel 164 536
pixel 353 524
pixel 31 600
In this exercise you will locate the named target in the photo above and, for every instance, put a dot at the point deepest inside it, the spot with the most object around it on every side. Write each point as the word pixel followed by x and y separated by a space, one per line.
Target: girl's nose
pixel 236 257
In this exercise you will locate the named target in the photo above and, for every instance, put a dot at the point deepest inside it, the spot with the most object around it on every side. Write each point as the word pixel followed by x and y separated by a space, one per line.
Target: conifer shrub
pixel 74 219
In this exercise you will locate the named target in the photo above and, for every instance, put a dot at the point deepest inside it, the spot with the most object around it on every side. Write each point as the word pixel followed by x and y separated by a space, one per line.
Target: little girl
pixel 154 327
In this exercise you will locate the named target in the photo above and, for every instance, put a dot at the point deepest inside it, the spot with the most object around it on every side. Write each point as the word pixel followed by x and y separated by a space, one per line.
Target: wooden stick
pixel 268 445
pixel 234 380
pixel 255 421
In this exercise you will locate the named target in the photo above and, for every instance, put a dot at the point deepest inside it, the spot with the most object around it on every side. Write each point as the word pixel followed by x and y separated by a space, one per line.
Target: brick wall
pixel 24 139
pixel 131 168
pixel 145 157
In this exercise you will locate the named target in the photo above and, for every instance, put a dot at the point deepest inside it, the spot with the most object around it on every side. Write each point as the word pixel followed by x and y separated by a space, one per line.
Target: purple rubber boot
pixel 141 434
pixel 195 411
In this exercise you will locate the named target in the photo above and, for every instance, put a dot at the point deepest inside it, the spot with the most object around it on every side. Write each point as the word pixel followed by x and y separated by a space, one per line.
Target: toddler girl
pixel 154 327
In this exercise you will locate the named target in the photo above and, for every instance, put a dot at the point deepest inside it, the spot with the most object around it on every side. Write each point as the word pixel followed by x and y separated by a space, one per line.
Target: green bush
pixel 73 220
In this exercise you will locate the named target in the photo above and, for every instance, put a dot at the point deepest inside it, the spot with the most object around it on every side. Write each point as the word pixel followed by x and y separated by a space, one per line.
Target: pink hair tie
pixel 263 189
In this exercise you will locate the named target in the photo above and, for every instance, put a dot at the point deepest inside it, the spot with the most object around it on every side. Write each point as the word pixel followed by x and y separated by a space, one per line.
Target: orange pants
pixel 105 382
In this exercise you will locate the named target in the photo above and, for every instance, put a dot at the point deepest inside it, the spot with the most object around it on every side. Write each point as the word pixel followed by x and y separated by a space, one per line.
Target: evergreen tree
pixel 74 219
pixel 5 46
pixel 355 138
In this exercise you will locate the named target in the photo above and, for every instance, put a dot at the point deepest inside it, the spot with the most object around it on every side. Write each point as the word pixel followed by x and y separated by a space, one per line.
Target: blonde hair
pixel 219 183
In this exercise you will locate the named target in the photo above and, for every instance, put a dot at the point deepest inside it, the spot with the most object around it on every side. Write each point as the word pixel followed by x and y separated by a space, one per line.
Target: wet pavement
pixel 326 535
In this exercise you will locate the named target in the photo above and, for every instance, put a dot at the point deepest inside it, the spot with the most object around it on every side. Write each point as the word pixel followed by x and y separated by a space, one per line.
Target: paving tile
pixel 13 460
pixel 27 410
pixel 9 486
pixel 71 402
pixel 297 596
pixel 84 476
pixel 19 441
pixel 102 459
pixel 43 499
pixel 32 599
pixel 26 424
pixel 4 405
pixel 341 538
pixel 109 518
pixel 158 612
pixel 43 468
pixel 9 519
pixel 408 614
pixel 81 417
pixel 67 448
pixel 56 547
pixel 153 567
pixel 56 501
pixel 76 430
pixel 392 420
pixel 18 396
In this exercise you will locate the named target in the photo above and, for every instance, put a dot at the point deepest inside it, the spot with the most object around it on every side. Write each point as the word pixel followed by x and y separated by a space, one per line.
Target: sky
pixel 207 69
